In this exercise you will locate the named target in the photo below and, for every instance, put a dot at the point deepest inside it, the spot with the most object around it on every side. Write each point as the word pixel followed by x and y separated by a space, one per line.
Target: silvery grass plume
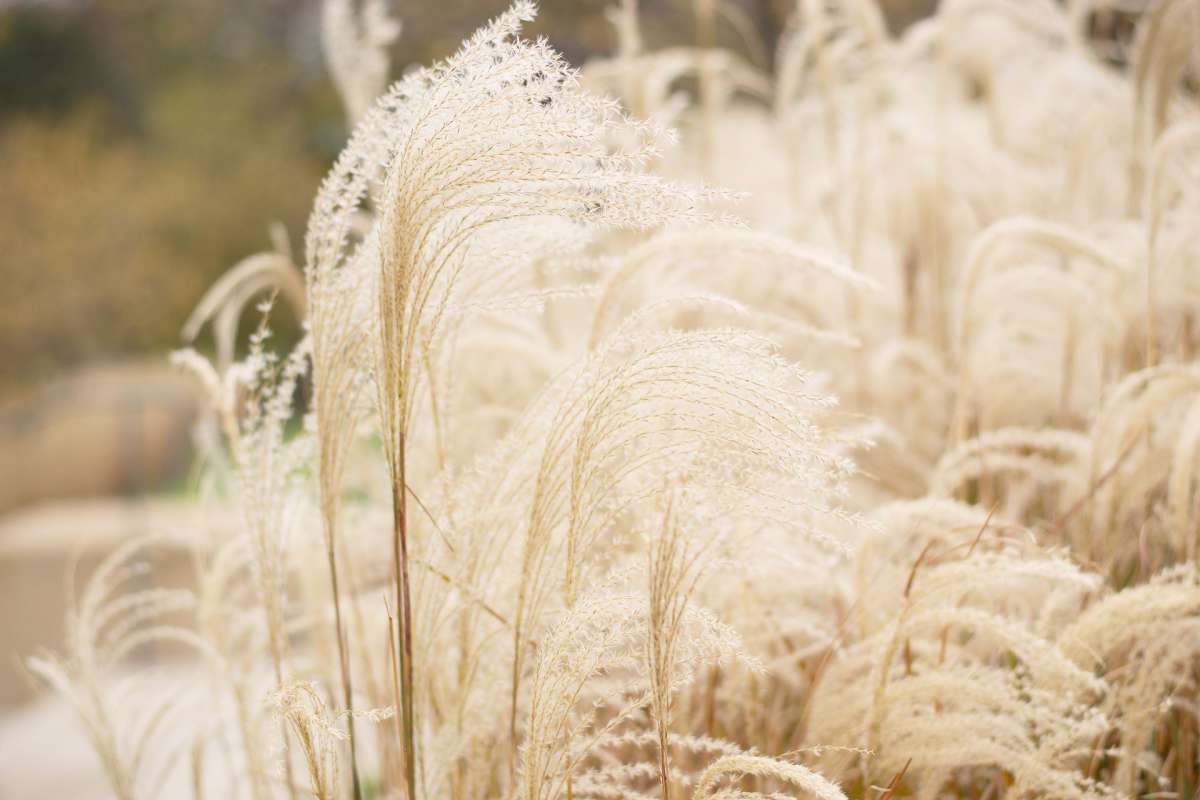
pixel 339 361
pixel 269 469
pixel 304 710
pixel 496 138
pixel 714 410
pixel 777 282
pixel 633 547
pixel 272 273
pixel 1016 468
pixel 1146 640
pixel 230 622
pixel 356 37
pixel 1143 446
pixel 982 261
pixel 132 721
pixel 224 303
pixel 966 673
pixel 253 575
pixel 598 670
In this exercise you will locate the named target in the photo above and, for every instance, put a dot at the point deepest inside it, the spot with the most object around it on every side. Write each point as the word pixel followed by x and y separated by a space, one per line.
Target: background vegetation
pixel 146 145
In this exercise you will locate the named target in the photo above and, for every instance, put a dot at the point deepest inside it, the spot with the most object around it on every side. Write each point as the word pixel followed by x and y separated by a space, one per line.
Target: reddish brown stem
pixel 404 621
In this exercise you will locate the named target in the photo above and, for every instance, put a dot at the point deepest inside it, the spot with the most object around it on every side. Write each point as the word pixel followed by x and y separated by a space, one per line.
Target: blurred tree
pixel 47 63
pixel 148 145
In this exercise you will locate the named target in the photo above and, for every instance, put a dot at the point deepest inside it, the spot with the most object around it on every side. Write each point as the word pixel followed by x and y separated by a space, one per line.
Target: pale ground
pixel 43 752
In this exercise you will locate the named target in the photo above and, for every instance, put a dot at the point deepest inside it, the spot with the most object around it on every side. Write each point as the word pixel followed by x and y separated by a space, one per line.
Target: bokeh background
pixel 146 146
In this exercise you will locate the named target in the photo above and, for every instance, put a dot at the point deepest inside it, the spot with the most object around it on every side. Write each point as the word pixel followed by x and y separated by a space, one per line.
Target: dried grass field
pixel 701 421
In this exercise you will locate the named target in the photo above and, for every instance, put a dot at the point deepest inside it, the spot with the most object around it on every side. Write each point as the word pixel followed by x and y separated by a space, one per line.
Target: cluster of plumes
pixel 553 500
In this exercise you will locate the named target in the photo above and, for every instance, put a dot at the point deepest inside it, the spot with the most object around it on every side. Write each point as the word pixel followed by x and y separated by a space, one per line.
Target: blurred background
pixel 148 145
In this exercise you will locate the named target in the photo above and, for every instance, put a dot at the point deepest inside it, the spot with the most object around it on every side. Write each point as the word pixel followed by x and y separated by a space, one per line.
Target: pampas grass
pixel 873 475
